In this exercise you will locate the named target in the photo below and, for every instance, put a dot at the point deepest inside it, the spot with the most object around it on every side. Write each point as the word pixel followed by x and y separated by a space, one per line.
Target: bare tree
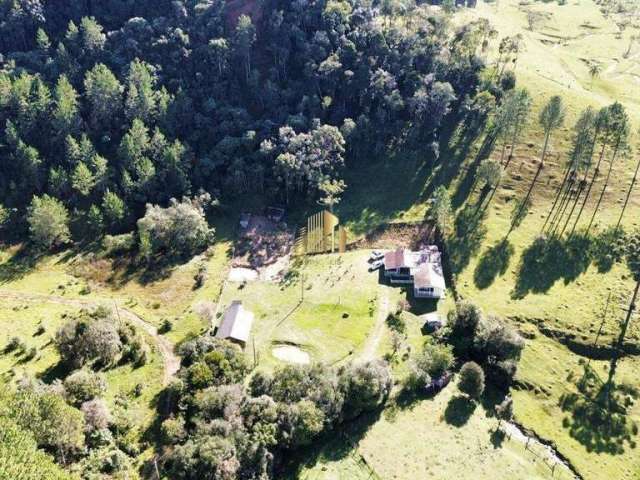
pixel 619 131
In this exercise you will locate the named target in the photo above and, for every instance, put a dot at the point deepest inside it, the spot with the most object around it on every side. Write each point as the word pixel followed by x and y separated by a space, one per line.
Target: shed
pixel 236 324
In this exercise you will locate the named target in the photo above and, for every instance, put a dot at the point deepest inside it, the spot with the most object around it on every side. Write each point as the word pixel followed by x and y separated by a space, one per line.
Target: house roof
pixel 428 276
pixel 394 259
pixel 236 323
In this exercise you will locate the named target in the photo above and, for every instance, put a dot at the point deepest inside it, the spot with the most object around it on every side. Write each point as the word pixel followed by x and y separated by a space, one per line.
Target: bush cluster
pixel 215 425
pixel 487 340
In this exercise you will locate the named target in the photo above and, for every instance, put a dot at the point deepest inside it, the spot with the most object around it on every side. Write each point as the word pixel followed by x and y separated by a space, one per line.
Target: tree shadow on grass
pixel 493 262
pixel 497 438
pixel 470 232
pixel 550 259
pixel 599 423
pixel 334 446
pixel 19 265
pixel 459 410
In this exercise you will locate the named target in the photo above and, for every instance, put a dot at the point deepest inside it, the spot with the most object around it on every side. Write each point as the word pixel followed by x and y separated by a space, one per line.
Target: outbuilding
pixel 236 324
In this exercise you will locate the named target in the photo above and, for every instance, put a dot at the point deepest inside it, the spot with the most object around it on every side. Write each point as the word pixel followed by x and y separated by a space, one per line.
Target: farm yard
pixel 526 368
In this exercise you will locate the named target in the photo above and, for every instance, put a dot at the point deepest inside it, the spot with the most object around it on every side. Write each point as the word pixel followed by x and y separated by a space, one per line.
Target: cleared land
pixel 339 316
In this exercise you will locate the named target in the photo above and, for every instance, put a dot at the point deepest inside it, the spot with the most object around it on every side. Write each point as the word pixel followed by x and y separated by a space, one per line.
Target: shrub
pixel 165 326
pixel 15 344
pixel 365 386
pixel 96 414
pixel 504 410
pixel 118 244
pixel 396 323
pixel 471 380
pixel 201 276
pixel 31 354
pixel 83 385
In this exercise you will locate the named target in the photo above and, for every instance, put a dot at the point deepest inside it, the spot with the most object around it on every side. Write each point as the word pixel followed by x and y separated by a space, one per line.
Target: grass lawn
pixel 441 437
pixel 332 321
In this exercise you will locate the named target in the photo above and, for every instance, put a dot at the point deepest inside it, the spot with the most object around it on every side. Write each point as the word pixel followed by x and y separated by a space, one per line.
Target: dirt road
pixel 372 342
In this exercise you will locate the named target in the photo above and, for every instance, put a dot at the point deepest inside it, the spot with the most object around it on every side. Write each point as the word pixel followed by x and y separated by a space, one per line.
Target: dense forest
pixel 107 107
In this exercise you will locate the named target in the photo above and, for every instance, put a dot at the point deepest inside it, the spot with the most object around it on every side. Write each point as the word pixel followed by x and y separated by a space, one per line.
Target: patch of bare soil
pixel 395 235
pixel 240 274
pixel 264 247
pixel 291 354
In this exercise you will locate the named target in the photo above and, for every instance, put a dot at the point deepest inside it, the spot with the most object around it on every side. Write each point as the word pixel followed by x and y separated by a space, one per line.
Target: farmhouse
pixel 422 269
pixel 236 324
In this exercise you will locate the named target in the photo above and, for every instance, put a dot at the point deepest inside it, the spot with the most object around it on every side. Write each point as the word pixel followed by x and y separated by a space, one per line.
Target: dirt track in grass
pixel 170 360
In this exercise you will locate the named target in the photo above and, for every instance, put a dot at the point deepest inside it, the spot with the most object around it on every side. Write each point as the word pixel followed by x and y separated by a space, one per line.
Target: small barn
pixel 236 324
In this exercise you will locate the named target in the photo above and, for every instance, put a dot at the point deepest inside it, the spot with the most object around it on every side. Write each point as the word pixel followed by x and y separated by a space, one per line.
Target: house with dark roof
pixel 236 324
pixel 422 269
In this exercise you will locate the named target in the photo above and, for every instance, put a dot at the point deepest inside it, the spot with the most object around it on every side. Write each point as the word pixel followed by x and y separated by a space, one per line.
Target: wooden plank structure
pixel 323 234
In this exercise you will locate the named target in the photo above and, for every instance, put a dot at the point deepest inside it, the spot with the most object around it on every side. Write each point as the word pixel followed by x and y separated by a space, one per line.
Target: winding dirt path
pixel 373 340
pixel 170 360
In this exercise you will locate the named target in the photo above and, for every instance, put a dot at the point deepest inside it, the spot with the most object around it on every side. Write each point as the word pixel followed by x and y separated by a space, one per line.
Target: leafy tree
pixel 441 210
pixel 84 339
pixel 52 422
pixel 431 363
pixel 177 230
pixel 48 221
pixel 366 386
pixel 471 380
pixel 96 414
pixel 104 94
pixel 490 173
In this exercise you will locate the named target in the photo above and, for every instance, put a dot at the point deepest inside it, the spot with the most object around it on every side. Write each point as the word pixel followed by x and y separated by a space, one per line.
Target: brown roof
pixel 427 276
pixel 394 259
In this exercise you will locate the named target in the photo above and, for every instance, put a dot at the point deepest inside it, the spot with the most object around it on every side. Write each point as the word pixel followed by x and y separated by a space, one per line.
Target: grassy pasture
pixel 22 320
pixel 326 307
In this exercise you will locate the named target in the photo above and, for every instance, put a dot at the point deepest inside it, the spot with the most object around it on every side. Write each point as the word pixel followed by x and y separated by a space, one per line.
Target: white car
pixel 375 265
pixel 376 255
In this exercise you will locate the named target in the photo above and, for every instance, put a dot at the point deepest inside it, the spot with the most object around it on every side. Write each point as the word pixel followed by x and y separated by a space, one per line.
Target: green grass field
pixel 338 316
pixel 326 308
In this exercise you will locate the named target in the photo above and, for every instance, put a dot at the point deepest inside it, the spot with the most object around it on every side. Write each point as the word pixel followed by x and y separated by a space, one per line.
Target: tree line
pixel 108 107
